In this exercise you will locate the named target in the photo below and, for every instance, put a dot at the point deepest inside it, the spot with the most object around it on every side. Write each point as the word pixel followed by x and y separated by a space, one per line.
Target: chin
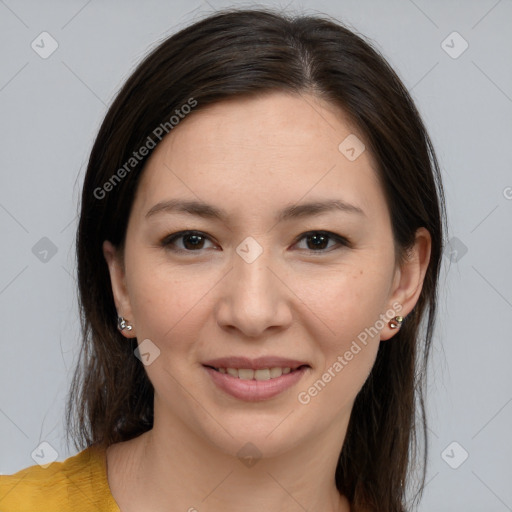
pixel 257 433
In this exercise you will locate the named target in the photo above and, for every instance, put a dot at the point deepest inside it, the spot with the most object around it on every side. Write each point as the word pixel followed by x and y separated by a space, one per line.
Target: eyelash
pixel 170 239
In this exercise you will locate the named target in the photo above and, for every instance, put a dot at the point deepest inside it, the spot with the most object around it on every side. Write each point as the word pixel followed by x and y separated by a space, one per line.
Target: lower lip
pixel 255 390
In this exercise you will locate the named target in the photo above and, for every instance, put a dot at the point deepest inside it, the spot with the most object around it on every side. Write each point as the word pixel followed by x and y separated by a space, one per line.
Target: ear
pixel 408 279
pixel 115 264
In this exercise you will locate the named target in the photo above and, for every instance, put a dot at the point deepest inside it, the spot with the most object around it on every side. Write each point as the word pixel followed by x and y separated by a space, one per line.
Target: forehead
pixel 266 150
pixel 277 121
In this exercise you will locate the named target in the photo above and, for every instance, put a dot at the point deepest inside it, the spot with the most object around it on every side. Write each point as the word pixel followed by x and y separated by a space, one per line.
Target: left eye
pixel 193 241
pixel 320 239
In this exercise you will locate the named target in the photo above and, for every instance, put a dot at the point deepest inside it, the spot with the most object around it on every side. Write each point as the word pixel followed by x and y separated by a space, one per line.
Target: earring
pixel 396 322
pixel 122 325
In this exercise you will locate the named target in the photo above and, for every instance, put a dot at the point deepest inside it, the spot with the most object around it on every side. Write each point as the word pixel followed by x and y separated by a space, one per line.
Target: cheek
pixel 349 304
pixel 346 351
pixel 347 300
pixel 169 304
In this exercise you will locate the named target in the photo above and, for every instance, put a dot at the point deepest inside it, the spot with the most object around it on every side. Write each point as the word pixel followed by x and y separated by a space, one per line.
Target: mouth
pixel 259 374
pixel 255 379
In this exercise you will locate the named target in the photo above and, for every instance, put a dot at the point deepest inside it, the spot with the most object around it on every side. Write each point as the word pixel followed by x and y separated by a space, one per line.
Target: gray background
pixel 51 110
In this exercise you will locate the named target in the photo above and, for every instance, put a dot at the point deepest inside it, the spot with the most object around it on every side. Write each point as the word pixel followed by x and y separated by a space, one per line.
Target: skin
pixel 252 157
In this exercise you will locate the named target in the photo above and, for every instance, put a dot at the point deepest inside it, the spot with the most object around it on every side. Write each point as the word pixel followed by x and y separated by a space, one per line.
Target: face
pixel 261 279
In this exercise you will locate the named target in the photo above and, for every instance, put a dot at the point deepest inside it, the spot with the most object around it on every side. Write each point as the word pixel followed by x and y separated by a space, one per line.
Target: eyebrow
pixel 208 211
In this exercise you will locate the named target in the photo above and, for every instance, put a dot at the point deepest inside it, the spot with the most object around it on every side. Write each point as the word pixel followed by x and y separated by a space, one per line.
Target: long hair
pixel 244 52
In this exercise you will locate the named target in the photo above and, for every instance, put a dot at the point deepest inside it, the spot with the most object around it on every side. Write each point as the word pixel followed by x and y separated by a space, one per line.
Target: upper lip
pixel 254 364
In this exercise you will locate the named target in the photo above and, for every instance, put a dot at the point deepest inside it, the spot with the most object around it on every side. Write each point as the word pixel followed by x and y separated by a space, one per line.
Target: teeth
pixel 263 374
pixel 245 374
pixel 249 374
pixel 275 372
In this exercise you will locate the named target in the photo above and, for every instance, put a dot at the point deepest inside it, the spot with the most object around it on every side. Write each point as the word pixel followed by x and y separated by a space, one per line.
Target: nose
pixel 254 298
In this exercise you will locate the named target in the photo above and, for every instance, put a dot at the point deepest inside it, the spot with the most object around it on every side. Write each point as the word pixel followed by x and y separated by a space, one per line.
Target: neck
pixel 172 465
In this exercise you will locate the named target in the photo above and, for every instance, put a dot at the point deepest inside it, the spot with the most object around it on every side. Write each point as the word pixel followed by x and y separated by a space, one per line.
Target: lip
pixel 254 364
pixel 255 390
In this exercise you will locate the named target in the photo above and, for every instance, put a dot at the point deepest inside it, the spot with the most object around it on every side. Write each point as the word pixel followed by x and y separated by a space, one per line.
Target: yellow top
pixel 77 484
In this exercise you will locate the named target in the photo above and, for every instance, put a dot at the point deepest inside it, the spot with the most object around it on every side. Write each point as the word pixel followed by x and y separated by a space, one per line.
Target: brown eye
pixel 318 241
pixel 194 241
pixel 190 241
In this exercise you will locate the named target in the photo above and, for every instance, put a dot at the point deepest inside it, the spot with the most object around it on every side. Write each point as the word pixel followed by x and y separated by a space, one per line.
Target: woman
pixel 260 239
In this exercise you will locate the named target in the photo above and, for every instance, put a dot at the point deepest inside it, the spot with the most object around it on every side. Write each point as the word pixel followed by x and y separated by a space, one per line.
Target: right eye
pixel 192 241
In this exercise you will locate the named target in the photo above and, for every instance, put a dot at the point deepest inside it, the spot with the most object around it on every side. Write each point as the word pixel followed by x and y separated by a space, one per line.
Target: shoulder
pixel 78 483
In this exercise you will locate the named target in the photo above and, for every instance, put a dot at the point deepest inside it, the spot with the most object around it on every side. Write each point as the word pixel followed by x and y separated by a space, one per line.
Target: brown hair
pixel 239 52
